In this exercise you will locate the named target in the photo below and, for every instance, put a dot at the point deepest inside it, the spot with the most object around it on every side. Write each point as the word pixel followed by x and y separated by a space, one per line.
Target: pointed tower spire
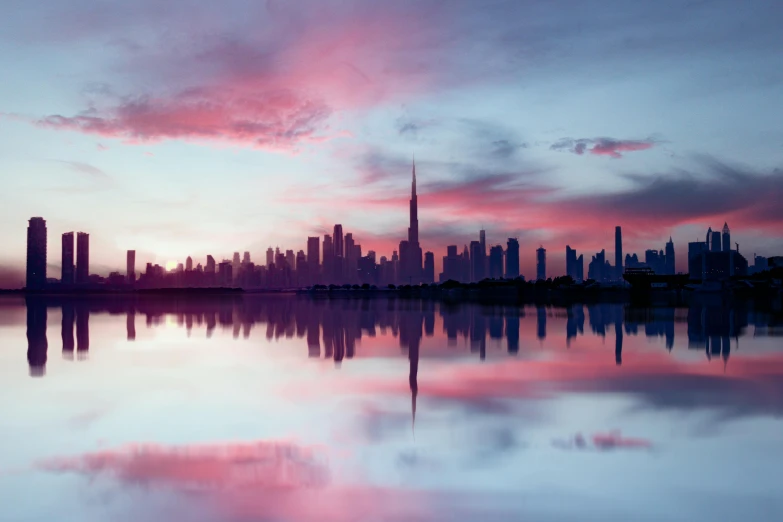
pixel 413 186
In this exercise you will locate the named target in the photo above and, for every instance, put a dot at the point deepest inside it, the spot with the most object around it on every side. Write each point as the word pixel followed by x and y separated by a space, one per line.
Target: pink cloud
pixel 247 481
pixel 614 148
pixel 614 440
pixel 257 464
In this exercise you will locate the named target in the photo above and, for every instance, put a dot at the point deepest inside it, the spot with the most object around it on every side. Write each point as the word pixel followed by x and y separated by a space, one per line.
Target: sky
pixel 194 127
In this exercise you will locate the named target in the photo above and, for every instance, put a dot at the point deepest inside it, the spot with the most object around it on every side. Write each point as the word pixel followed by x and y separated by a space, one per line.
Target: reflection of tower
pixel 512 330
pixel 413 374
pixel 67 330
pixel 82 258
pixel 541 322
pixel 67 276
pixel 618 342
pixel 130 324
pixel 82 330
pixel 37 344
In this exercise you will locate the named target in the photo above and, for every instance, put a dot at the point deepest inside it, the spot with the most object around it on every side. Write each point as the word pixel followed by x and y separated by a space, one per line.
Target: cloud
pixel 274 121
pixel 258 464
pixel 602 146
pixel 86 168
pixel 602 442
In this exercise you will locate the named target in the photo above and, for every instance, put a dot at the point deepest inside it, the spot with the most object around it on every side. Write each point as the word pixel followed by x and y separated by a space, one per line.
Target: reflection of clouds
pixel 257 464
pixel 751 386
pixel 601 442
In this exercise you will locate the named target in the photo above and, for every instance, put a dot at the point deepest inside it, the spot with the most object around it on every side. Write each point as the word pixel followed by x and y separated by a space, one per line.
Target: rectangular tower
pixel 541 263
pixel 36 253
pixel 130 261
pixel 618 252
pixel 67 277
pixel 82 258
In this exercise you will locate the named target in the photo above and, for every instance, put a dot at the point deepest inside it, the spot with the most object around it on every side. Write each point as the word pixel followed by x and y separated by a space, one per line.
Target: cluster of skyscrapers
pixel 337 259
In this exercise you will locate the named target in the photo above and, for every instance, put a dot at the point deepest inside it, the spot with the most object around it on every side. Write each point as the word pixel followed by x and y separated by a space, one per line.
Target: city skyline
pixel 266 124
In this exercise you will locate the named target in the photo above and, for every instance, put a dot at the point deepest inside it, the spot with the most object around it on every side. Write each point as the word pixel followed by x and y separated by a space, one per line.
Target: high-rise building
pixel 36 253
pixel 580 268
pixel 496 262
pixel 270 256
pixel 512 258
pixel 670 266
pixel 571 262
pixel 476 262
pixel 483 242
pixel 429 267
pixel 726 236
pixel 596 269
pixel 82 258
pixel 328 259
pixel 339 241
pixel 696 249
pixel 541 263
pixel 246 258
pixel 290 258
pixel 235 260
pixel 130 266
pixel 210 265
pixel 715 242
pixel 189 264
pixel 411 254
pixel 313 255
pixel 618 252
pixel 67 274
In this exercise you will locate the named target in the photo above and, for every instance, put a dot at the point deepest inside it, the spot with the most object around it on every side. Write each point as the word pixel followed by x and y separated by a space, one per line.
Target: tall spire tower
pixel 413 229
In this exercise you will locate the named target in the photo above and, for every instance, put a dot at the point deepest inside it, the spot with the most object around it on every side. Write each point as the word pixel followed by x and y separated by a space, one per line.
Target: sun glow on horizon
pixel 171 265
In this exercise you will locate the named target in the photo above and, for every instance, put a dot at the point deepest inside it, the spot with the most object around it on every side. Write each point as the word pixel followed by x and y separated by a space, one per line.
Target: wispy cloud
pixel 612 147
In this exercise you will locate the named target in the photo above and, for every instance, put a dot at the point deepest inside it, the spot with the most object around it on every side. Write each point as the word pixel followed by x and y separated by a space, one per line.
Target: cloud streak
pixel 614 148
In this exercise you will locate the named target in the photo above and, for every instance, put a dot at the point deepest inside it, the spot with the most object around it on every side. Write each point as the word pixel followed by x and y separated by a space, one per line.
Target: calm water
pixel 291 409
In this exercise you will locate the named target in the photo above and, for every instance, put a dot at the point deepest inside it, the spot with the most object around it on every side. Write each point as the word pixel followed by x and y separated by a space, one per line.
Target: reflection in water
pixel 341 323
pixel 37 344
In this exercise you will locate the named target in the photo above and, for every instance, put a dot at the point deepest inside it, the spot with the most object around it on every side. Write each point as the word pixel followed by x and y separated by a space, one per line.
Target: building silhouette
pixel 541 263
pixel 82 258
pixel 130 261
pixel 410 250
pixel 496 262
pixel 429 268
pixel 67 270
pixel 37 344
pixel 618 252
pixel 575 266
pixel 669 260
pixel 476 262
pixel 512 258
pixel 36 254
pixel 726 238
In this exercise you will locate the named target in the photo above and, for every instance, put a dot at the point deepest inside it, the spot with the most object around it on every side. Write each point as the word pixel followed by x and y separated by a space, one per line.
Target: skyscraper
pixel 246 258
pixel 67 275
pixel 339 241
pixel 328 259
pixel 541 263
pixel 512 258
pixel 429 267
pixel 670 266
pixel 410 254
pixel 715 242
pixel 36 253
pixel 313 255
pixel 130 262
pixel 726 236
pixel 571 262
pixel 618 252
pixel 476 262
pixel 496 262
pixel 82 258
pixel 211 265
pixel 189 264
pixel 270 256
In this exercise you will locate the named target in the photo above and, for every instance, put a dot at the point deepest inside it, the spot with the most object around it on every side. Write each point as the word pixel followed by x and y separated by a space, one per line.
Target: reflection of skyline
pixel 341 324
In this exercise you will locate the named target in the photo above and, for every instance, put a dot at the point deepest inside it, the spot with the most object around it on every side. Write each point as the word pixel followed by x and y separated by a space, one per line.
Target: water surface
pixel 286 408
